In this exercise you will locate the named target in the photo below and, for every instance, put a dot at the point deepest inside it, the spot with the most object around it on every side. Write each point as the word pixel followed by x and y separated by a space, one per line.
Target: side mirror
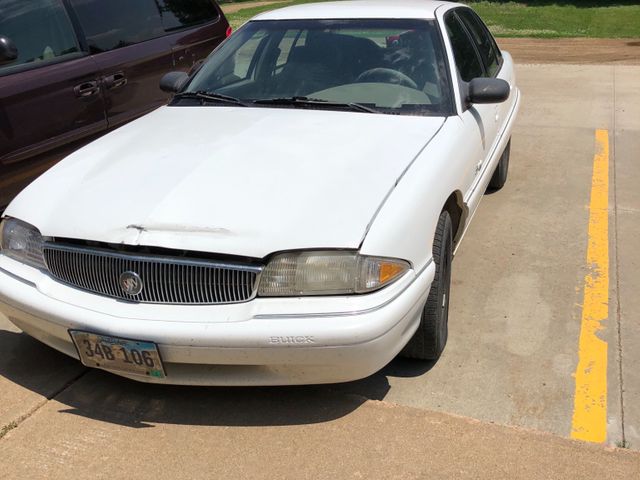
pixel 8 50
pixel 488 90
pixel 173 82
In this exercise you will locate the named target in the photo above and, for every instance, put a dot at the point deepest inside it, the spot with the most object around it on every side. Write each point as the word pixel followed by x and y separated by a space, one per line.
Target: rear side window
pixel 467 60
pixel 40 30
pixel 111 24
pixel 483 40
pixel 178 14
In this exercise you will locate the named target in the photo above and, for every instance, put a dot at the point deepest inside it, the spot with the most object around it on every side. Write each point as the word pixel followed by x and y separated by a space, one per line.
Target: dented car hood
pixel 230 180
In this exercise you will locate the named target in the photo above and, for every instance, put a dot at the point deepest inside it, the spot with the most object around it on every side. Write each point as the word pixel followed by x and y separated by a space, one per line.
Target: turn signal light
pixel 389 271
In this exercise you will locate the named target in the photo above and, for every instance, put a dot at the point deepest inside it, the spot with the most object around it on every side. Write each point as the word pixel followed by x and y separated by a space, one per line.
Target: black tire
pixel 500 175
pixel 431 337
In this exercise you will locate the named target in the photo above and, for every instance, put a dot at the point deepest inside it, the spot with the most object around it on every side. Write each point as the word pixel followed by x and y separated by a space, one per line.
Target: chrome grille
pixel 168 280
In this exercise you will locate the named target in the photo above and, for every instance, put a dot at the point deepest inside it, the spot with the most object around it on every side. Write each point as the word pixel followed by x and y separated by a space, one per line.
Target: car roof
pixel 353 9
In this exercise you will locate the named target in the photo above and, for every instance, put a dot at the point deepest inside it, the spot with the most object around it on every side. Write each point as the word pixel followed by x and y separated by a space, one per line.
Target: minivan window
pixel 467 60
pixel 180 13
pixel 484 42
pixel 40 29
pixel 111 24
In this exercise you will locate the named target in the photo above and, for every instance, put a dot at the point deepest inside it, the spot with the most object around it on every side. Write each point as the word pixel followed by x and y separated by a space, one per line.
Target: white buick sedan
pixel 290 217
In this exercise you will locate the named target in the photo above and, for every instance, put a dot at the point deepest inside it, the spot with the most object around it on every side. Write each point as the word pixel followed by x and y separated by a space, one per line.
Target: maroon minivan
pixel 72 69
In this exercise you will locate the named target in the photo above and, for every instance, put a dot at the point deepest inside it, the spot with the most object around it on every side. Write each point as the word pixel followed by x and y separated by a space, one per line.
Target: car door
pixel 49 95
pixel 130 45
pixel 478 121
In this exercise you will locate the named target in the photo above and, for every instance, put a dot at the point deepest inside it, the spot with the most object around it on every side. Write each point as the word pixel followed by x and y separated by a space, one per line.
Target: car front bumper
pixel 262 342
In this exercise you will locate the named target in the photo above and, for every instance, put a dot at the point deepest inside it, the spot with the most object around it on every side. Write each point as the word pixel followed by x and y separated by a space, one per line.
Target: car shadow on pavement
pixel 376 387
pixel 34 366
pixel 109 398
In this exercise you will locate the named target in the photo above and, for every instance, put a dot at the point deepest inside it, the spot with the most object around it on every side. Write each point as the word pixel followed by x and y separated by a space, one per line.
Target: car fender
pixel 405 224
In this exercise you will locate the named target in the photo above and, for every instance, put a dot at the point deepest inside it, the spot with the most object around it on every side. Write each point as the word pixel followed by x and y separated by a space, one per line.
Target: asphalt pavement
pixel 502 402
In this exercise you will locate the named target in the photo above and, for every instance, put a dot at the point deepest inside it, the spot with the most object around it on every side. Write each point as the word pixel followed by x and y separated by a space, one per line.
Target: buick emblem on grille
pixel 131 283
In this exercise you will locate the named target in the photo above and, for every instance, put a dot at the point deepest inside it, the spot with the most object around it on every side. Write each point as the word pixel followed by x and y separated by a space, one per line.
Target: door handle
pixel 116 80
pixel 86 89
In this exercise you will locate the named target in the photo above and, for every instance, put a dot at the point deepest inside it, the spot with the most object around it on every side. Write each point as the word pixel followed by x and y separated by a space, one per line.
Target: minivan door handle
pixel 114 81
pixel 86 89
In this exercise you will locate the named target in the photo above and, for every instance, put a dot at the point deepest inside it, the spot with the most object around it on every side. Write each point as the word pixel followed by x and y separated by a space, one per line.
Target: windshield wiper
pixel 211 97
pixel 305 101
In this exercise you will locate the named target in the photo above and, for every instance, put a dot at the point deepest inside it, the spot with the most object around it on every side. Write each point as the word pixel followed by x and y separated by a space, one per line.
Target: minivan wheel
pixel 431 337
pixel 499 177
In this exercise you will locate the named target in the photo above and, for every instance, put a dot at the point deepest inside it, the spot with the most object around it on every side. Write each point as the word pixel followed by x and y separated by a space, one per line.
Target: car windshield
pixel 387 66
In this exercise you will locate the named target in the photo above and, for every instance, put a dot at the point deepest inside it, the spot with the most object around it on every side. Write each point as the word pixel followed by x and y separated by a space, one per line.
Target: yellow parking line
pixel 590 402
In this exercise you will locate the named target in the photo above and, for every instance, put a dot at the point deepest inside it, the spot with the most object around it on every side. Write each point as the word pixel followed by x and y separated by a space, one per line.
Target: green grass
pixel 561 19
pixel 541 18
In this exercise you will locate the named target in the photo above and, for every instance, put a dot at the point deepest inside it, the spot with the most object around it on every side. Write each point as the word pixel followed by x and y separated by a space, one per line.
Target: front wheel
pixel 431 337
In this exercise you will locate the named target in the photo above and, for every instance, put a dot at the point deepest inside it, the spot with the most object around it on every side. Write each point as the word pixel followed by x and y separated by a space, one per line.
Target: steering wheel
pixel 386 75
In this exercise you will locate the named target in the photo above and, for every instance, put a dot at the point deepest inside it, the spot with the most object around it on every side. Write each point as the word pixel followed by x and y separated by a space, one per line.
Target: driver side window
pixel 483 40
pixel 467 60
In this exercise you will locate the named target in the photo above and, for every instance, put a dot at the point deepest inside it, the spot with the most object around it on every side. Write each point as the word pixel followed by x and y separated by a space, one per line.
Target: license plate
pixel 134 357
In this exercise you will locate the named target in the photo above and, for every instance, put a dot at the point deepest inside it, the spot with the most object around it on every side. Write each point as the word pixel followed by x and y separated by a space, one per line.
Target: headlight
pixel 327 273
pixel 22 242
